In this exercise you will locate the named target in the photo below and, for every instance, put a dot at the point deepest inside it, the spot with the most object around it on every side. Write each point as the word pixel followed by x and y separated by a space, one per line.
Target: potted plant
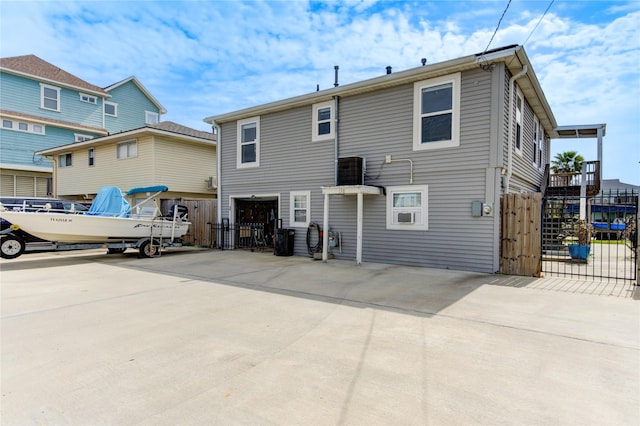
pixel 580 248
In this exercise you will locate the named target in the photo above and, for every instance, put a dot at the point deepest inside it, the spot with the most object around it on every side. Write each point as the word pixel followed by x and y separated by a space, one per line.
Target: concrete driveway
pixel 200 337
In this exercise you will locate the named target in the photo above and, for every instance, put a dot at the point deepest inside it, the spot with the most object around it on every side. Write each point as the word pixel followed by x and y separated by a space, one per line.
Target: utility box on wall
pixel 479 208
pixel 351 171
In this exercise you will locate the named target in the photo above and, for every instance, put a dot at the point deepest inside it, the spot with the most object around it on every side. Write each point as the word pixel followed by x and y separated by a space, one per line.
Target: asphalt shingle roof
pixel 32 65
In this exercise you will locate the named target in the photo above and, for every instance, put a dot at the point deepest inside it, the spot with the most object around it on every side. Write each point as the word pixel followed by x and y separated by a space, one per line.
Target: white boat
pixel 103 223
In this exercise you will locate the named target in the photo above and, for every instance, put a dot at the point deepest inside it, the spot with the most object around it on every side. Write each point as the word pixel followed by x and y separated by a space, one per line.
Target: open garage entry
pixel 256 213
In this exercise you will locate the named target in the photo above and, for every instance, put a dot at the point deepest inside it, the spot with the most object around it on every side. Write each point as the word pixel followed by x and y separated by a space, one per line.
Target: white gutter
pixel 511 136
pixel 336 146
pixel 218 132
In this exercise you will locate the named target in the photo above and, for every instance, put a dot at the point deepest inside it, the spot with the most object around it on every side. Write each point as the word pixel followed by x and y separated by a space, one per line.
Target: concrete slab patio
pixel 199 337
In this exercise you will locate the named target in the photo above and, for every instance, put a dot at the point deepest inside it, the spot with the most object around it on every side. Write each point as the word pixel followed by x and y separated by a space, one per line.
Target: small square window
pixel 407 207
pixel 127 149
pixel 65 160
pixel 111 109
pixel 7 124
pixel 151 117
pixel 23 126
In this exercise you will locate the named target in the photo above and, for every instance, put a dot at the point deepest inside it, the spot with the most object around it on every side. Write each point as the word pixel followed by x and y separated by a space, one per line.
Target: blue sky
pixel 201 58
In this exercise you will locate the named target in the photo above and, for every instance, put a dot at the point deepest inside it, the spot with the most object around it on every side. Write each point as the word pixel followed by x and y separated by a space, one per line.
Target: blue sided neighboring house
pixel 43 106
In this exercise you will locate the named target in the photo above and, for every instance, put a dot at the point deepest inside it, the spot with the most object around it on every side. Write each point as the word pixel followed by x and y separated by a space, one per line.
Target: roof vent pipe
pixel 389 69
pixel 424 61
pixel 336 72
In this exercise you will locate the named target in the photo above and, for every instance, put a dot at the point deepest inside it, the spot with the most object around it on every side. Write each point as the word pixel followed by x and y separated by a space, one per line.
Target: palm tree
pixel 567 162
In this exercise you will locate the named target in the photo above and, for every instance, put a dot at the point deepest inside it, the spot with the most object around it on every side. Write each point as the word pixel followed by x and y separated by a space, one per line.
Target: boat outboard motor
pixel 178 211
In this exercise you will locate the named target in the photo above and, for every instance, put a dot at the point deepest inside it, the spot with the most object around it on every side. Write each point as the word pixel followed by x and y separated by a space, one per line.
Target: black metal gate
pixel 590 238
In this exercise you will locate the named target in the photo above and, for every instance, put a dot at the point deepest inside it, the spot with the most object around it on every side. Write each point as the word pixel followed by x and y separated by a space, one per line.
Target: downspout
pixel 218 131
pixel 512 101
pixel 336 145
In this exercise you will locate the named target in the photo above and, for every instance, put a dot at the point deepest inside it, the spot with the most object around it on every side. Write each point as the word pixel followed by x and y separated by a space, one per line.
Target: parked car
pixel 14 240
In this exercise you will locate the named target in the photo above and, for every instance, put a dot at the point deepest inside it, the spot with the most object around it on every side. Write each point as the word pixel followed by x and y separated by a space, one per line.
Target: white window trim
pixel 315 136
pixel 57 89
pixel 60 165
pixel 239 163
pixel 421 220
pixel 455 112
pixel 90 99
pixel 115 109
pixel 79 137
pixel 148 114
pixel 518 121
pixel 536 140
pixel 292 221
pixel 134 141
pixel 15 126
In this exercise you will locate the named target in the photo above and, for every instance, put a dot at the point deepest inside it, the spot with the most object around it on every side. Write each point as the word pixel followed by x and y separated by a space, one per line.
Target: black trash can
pixel 283 244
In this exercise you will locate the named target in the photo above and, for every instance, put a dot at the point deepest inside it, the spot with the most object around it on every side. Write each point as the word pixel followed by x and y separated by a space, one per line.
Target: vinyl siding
pixel 184 167
pixel 108 169
pixel 373 125
pixel 22 95
pixel 132 104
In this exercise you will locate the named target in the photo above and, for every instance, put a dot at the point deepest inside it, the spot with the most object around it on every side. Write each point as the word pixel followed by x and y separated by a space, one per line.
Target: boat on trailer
pixel 110 222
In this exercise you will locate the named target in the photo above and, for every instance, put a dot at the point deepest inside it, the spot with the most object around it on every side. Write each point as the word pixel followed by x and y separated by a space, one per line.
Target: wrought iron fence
pixel 590 237
pixel 227 236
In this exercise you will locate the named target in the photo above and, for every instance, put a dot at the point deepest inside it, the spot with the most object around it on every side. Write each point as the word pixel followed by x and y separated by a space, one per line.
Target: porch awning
pixel 359 191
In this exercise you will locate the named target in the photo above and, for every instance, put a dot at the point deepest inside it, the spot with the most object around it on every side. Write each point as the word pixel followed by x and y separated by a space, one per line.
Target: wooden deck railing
pixel 571 182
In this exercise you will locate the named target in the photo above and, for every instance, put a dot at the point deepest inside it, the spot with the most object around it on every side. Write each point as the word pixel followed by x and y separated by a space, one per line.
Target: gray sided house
pixel 407 168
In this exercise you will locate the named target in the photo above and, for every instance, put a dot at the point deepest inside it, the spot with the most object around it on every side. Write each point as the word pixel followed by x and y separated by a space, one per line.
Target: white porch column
pixel 359 229
pixel 325 229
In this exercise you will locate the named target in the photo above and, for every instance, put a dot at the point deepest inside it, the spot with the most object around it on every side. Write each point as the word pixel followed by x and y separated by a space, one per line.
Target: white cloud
pixel 202 58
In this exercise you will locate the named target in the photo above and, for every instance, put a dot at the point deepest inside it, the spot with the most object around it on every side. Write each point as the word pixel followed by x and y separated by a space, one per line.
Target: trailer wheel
pixel 149 248
pixel 11 246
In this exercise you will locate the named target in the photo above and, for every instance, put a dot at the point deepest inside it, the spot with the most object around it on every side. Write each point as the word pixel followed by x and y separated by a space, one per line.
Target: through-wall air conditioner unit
pixel 406 217
pixel 351 171
pixel 212 183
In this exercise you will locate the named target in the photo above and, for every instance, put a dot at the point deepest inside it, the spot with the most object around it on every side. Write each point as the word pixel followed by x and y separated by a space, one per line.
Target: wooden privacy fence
pixel 520 234
pixel 202 213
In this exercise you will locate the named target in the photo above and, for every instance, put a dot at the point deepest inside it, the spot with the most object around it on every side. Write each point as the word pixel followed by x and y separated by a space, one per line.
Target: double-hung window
pixel 299 208
pixel 65 160
pixel 50 97
pixel 407 207
pixel 127 149
pixel 322 121
pixel 519 107
pixel 436 116
pixel 248 151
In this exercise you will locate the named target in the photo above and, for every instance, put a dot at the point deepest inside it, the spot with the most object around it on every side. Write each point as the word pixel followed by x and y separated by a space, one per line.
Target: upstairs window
pixel 436 119
pixel 127 149
pixel 322 121
pixel 541 144
pixel 91 155
pixel 300 208
pixel 248 151
pixel 50 97
pixel 536 125
pixel 111 109
pixel 519 106
pixel 22 126
pixel 65 160
pixel 81 138
pixel 151 117
pixel 88 98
